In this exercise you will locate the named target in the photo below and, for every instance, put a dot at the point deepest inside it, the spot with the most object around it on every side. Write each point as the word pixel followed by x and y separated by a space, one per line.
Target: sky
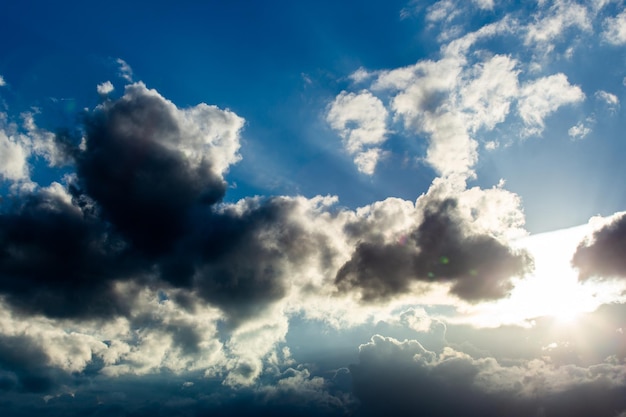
pixel 313 208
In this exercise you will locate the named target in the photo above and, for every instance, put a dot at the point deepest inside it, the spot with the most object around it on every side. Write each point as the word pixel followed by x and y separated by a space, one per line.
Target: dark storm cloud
pixel 143 205
pixel 25 366
pixel 399 378
pixel 59 260
pixel 603 255
pixel 238 259
pixel 441 248
pixel 143 187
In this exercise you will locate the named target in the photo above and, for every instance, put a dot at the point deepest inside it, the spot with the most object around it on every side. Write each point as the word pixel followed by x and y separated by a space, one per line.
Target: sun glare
pixel 552 289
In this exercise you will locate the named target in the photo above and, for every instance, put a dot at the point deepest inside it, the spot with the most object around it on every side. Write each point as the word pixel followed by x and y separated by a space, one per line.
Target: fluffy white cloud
pixel 105 88
pixel 13 158
pixel 207 133
pixel 361 121
pixel 2 82
pixel 541 97
pixel 615 29
pixel 488 96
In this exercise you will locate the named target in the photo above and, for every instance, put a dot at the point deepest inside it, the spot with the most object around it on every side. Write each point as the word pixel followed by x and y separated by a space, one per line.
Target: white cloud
pixel 361 121
pixel 126 72
pixel 541 97
pixel 2 82
pixel 207 134
pixel 484 4
pixel 579 131
pixel 105 88
pixel 442 10
pixel 366 161
pixel 550 24
pixel 610 100
pixel 488 96
pixel 360 75
pixel 13 158
pixel 615 29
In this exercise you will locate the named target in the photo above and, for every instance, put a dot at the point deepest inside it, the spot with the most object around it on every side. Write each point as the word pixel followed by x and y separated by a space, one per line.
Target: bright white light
pixel 553 288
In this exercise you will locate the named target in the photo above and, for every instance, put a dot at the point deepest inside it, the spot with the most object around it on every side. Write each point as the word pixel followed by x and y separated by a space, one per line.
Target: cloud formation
pixel 443 248
pixel 360 119
pixel 399 377
pixel 602 254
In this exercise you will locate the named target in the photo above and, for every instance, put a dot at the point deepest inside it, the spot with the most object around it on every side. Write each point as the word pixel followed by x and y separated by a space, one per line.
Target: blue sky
pixel 313 208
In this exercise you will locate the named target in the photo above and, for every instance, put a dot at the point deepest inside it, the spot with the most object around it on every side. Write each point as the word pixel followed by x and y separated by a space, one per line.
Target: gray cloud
pixel 602 255
pixel 441 248
pixel 398 378
pixel 61 261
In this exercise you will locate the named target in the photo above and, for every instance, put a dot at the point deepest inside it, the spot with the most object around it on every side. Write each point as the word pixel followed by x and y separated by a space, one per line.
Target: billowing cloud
pixel 58 259
pixel 441 249
pixel 145 161
pixel 360 119
pixel 394 377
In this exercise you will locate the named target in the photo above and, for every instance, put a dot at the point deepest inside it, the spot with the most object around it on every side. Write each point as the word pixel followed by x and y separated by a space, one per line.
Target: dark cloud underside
pixel 603 256
pixel 441 248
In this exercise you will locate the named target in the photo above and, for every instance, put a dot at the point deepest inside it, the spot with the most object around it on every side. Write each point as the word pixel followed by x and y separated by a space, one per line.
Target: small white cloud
pixel 360 75
pixel 611 100
pixel 484 4
pixel 126 72
pixel 361 121
pixel 615 29
pixel 105 88
pixel 2 82
pixel 544 96
pixel 491 145
pixel 13 158
pixel 442 10
pixel 366 161
pixel 579 131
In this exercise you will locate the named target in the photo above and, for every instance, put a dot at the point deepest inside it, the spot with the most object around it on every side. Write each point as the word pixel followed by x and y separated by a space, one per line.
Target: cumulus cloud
pixel 394 377
pixel 541 97
pixel 361 121
pixel 601 254
pixel 441 249
pixel 105 88
pixel 2 82
pixel 13 158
